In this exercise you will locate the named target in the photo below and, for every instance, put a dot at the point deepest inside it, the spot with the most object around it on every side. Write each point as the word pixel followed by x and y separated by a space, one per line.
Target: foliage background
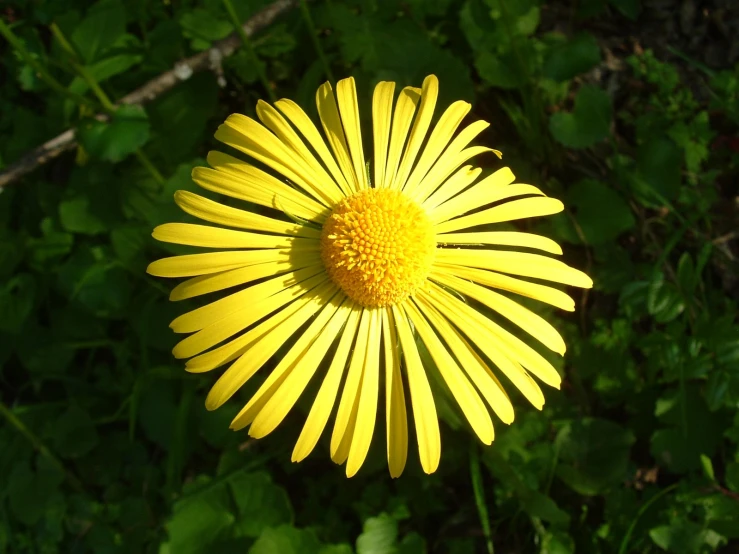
pixel 627 111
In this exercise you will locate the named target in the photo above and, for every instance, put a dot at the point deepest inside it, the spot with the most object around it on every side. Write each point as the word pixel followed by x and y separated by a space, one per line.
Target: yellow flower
pixel 343 274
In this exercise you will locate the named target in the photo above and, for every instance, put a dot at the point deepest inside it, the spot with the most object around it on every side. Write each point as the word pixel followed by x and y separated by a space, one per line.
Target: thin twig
pixel 183 70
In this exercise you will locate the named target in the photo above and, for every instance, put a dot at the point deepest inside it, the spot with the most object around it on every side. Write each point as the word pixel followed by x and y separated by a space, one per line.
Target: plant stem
pixel 38 445
pixel 623 549
pixel 146 162
pixel 316 43
pixel 41 71
pixel 250 49
pixel 479 491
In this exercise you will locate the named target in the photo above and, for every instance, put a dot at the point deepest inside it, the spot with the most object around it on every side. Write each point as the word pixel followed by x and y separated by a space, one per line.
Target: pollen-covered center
pixel 378 246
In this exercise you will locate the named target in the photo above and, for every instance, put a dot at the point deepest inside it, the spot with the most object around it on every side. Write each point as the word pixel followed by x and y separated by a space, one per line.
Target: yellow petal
pixel 532 323
pixel 465 395
pixel 436 177
pixel 350 395
pixel 442 167
pixel 396 418
pixel 263 349
pixel 440 137
pixel 326 397
pixel 329 115
pixel 304 124
pixel 424 410
pixel 476 368
pixel 280 127
pixel 236 321
pixel 516 263
pixel 429 94
pixel 475 198
pixel 367 409
pixel 405 107
pixel 206 284
pixel 382 111
pixel 241 180
pixel 220 214
pixel 254 140
pixel 503 238
pixel 499 281
pixel 214 237
pixel 239 301
pixel 286 382
pixel 346 94
pixel 463 178
pixel 469 321
pixel 510 211
pixel 213 262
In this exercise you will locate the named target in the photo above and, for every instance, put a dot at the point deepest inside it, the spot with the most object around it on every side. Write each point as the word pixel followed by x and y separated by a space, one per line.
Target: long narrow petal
pixel 205 284
pixel 503 238
pixel 396 418
pixel 346 95
pixel 499 179
pixel 382 111
pixel 429 95
pixel 440 137
pixel 405 107
pixel 214 212
pixel 189 265
pixel 276 396
pixel 474 198
pixel 331 121
pixel 448 161
pixel 367 409
pixel 350 395
pixel 280 127
pixel 239 320
pixel 478 371
pixel 510 211
pixel 468 321
pixel 436 177
pixel 515 263
pixel 326 397
pixel 206 236
pixel 241 180
pixel 424 410
pixel 249 363
pixel 253 139
pixel 462 179
pixel 464 393
pixel 532 323
pixel 211 313
pixel 542 293
pixel 300 119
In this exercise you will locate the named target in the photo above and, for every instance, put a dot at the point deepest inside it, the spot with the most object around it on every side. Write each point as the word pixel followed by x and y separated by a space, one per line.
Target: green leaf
pixel 601 212
pixel 589 122
pixel 557 542
pixel 17 296
pixel 203 27
pixel 260 503
pixel 594 454
pixel 76 217
pixel 539 505
pixel 104 24
pixel 30 492
pixel 379 536
pixel 565 61
pixel 74 433
pixel 659 164
pixel 286 540
pixel 684 537
pixel 52 244
pixel 707 467
pixel 113 141
pixel 664 301
pixel 105 69
pixel 501 70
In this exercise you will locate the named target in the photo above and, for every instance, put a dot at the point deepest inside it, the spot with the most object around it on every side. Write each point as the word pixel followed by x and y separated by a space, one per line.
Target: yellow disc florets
pixel 378 246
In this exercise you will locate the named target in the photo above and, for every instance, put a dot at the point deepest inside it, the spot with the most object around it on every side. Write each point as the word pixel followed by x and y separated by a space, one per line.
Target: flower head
pixel 349 272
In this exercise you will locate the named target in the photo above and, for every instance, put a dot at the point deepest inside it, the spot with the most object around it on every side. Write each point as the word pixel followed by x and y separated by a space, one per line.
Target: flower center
pixel 378 246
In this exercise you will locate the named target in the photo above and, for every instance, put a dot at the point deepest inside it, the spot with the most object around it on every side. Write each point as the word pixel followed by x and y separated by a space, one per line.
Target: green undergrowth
pixel 105 445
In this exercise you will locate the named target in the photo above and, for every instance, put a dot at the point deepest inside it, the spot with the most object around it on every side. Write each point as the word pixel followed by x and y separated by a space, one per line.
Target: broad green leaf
pixel 286 540
pixel 501 70
pixel 203 27
pixel 113 141
pixel 76 217
pixel 260 503
pixel 664 301
pixel 104 24
pixel 539 505
pixel 589 122
pixel 601 212
pixel 54 243
pixel 684 537
pixel 658 170
pixel 564 61
pixel 379 536
pixel 557 542
pixel 30 492
pixel 594 454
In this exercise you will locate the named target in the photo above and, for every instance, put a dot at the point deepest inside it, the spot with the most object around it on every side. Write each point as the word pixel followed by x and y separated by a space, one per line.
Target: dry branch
pixel 207 60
